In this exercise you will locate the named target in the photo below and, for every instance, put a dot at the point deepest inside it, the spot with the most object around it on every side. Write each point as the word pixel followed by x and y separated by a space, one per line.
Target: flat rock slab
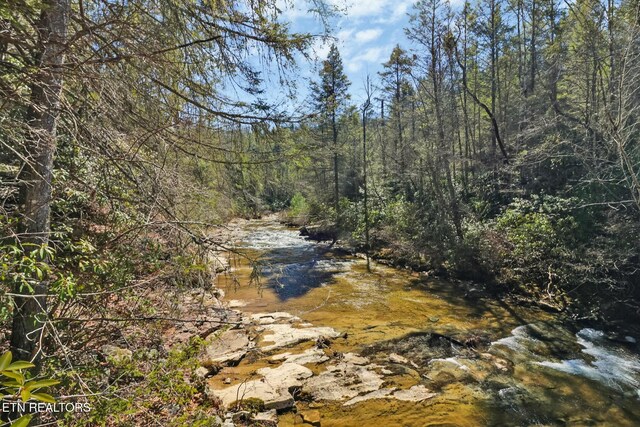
pixel 343 381
pixel 275 317
pixel 284 335
pixel 311 355
pixel 378 394
pixel 272 388
pixel 416 393
pixel 229 347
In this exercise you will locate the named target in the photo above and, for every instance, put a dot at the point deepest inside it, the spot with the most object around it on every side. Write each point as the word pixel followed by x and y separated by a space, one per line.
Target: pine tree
pixel 331 97
pixel 395 83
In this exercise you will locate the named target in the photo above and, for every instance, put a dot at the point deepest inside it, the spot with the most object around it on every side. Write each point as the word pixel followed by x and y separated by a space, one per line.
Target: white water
pixel 276 239
pixel 610 365
pixel 519 341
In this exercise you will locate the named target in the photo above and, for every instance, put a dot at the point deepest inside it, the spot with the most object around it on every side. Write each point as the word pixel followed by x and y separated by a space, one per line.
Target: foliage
pixel 17 385
pixel 538 241
pixel 299 210
pixel 159 389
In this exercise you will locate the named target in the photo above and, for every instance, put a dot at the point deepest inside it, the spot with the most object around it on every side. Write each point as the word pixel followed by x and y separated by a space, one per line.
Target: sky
pixel 365 32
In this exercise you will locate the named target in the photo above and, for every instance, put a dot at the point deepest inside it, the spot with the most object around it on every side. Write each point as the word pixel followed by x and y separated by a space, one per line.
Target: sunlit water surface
pixel 528 367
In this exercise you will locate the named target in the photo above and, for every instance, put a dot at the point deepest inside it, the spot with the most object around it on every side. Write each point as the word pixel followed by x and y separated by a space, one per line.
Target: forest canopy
pixel 498 143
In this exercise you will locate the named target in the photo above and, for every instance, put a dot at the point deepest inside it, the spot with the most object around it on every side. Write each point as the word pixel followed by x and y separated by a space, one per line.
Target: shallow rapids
pixel 482 361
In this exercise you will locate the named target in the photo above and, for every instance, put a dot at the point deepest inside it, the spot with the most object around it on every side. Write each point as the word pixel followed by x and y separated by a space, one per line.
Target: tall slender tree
pixel 331 97
pixel 395 77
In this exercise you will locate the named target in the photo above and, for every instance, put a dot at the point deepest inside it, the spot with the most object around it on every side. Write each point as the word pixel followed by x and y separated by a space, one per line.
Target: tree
pixel 397 87
pixel 365 111
pixel 330 99
pixel 134 84
pixel 430 33
pixel 37 175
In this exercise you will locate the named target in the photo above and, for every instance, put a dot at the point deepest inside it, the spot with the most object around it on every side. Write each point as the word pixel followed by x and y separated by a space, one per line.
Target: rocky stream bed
pixel 318 340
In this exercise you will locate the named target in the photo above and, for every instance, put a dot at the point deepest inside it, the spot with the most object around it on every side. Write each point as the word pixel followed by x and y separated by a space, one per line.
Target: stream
pixel 409 350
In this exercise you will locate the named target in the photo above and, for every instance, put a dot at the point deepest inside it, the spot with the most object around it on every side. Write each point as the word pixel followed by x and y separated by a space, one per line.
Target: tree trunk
pixel 336 181
pixel 364 183
pixel 37 175
pixel 493 65
pixel 532 69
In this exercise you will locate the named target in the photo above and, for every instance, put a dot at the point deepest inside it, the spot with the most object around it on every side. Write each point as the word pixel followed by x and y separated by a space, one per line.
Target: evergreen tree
pixel 397 87
pixel 331 97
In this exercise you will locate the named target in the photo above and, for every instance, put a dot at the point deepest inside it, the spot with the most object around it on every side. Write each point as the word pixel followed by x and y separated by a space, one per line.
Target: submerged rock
pixel 449 366
pixel 378 394
pixel 417 393
pixel 418 348
pixel 311 417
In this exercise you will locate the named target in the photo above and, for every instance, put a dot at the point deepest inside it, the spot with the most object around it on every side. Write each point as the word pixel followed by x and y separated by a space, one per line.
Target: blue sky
pixel 364 31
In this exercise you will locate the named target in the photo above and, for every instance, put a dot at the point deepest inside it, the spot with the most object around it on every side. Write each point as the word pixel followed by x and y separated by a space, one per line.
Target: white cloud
pixel 344 36
pixel 360 8
pixel 373 55
pixel 369 35
pixel 396 12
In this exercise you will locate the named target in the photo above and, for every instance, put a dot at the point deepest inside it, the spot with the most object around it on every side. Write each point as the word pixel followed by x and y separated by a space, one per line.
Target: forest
pixel 494 158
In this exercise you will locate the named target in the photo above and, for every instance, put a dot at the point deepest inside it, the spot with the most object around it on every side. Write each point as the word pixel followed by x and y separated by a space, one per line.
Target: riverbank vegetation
pixel 121 147
pixel 499 146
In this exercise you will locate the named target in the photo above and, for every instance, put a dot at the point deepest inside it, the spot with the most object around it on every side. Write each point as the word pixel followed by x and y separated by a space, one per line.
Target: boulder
pixel 267 418
pixel 201 372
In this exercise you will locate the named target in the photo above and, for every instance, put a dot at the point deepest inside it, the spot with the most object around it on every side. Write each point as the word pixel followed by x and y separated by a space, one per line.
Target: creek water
pixel 488 362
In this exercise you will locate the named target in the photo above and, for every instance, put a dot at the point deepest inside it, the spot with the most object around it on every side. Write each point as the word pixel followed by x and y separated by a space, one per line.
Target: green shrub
pixel 298 207
pixel 542 237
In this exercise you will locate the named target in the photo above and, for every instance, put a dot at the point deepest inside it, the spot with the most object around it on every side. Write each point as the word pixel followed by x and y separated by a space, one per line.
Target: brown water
pixel 522 366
